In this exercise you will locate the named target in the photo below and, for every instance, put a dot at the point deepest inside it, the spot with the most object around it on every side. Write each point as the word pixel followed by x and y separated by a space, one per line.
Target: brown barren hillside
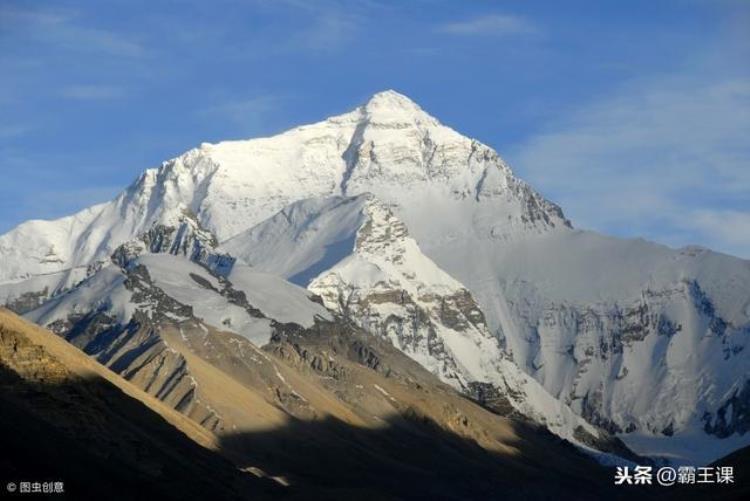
pixel 67 418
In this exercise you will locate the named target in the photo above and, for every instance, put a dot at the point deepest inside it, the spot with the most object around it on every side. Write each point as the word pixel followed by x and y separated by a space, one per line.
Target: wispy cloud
pixel 102 41
pixel 491 24
pixel 729 229
pixel 329 30
pixel 666 158
pixel 330 25
pixel 92 92
pixel 13 130
pixel 247 115
pixel 62 29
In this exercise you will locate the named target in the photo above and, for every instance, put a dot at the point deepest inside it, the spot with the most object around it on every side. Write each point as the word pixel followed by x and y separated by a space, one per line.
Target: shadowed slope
pixel 737 491
pixel 65 418
pixel 427 442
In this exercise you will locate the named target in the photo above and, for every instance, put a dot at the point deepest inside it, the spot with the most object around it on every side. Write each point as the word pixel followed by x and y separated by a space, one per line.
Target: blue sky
pixel 634 116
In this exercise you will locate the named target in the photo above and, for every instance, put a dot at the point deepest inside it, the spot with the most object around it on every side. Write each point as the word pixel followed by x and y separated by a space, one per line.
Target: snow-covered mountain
pixel 359 258
pixel 387 143
pixel 121 313
pixel 638 338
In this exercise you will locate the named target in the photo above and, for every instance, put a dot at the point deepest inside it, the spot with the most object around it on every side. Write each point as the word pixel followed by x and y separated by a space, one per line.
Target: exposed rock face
pixel 27 301
pixel 389 288
pixel 492 398
pixel 136 349
pixel 405 298
pixel 614 338
pixel 23 296
pixel 185 238
pixel 139 316
pixel 29 361
pixel 732 417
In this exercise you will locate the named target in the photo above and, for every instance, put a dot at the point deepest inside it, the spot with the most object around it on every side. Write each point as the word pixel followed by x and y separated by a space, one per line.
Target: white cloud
pixel 666 158
pixel 492 24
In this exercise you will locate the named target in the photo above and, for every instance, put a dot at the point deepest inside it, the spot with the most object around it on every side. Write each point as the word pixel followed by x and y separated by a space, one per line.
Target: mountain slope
pixel 328 387
pixel 638 338
pixel 376 274
pixel 67 418
pixel 139 317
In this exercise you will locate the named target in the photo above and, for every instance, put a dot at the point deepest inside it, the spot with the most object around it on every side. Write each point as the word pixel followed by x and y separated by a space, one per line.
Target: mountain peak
pixel 389 105
pixel 391 99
